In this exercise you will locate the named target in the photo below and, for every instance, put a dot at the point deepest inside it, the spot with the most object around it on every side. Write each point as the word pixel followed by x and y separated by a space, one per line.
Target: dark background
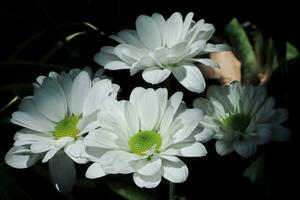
pixel 210 177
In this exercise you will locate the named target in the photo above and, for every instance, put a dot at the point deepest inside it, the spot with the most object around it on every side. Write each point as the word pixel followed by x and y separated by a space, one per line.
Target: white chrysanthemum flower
pixel 242 118
pixel 145 135
pixel 160 47
pixel 63 108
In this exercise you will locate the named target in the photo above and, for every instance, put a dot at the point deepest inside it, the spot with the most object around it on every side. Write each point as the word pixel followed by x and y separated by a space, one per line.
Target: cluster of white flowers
pixel 76 116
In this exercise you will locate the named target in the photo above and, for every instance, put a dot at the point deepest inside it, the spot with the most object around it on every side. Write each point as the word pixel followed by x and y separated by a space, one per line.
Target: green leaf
pixel 272 59
pixel 129 192
pixel 256 169
pixel 291 52
pixel 243 49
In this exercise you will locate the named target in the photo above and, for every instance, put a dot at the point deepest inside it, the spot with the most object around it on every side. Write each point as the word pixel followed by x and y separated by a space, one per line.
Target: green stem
pixel 171 191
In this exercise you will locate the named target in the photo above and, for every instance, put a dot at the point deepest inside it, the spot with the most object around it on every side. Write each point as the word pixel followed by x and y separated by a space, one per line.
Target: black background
pixel 210 177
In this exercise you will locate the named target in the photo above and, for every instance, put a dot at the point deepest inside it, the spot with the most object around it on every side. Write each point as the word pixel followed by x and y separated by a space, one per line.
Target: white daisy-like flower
pixel 160 47
pixel 242 118
pixel 55 120
pixel 145 136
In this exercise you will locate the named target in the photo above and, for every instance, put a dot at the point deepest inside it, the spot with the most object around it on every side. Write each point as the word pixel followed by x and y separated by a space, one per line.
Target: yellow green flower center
pixel 67 127
pixel 238 122
pixel 143 141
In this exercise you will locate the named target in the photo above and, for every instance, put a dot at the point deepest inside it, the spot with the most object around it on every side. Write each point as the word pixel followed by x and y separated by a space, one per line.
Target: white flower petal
pixel 63 141
pixel 223 148
pixel 160 22
pixel 205 134
pixel 28 106
pixel 196 48
pixel 166 120
pixel 62 173
pixel 131 117
pixel 187 24
pixel 95 170
pixel 28 121
pixel 50 100
pixel 280 133
pixel 176 100
pixel 40 80
pixel 245 148
pixel 148 31
pixel 190 77
pixel 280 115
pixel 168 157
pixel 127 53
pixel 50 154
pixel 176 172
pixel 155 75
pixel 24 159
pixel 66 84
pixel 27 136
pixel 173 29
pixel 116 65
pixel 102 58
pixel 147 181
pixel 195 149
pixel 162 94
pixel 74 151
pixel 264 134
pixel 147 105
pixel 117 161
pixel 40 147
pixel 205 105
pixel 189 120
pixel 117 39
pixel 131 37
pixel 205 32
pixel 80 89
pixel 99 74
pixel 207 62
pixel 98 93
pixel 101 138
pixel 147 167
pixel 88 123
pixel 217 47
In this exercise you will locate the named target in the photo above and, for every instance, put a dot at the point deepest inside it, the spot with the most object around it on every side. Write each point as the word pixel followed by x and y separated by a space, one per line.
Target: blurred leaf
pixel 26 43
pixel 74 35
pixel 259 47
pixel 129 192
pixel 266 56
pixel 11 102
pixel 272 59
pixel 181 198
pixel 82 26
pixel 243 49
pixel 8 87
pixel 291 52
pixel 256 169
pixel 27 63
pixel 90 25
pixel 58 46
pixel 9 187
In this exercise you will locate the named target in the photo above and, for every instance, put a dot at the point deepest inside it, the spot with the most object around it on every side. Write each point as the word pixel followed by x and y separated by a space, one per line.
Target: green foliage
pixel 243 49
pixel 291 52
pixel 256 169
pixel 259 60
pixel 130 192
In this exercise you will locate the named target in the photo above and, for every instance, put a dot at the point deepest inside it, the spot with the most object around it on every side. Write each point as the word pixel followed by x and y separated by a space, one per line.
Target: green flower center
pixel 142 141
pixel 238 122
pixel 67 127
